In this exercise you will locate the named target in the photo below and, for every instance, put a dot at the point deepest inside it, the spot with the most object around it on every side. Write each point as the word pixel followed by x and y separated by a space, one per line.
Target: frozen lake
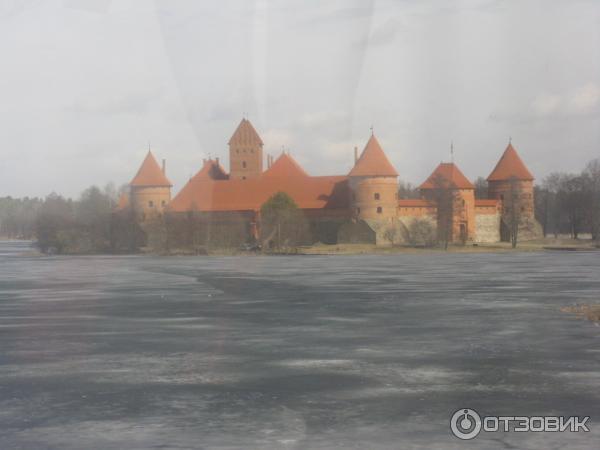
pixel 353 352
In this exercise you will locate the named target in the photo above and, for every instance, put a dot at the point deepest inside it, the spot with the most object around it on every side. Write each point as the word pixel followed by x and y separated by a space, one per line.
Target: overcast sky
pixel 86 84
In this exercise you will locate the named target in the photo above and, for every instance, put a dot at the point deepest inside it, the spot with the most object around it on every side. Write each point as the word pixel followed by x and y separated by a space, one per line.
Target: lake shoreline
pixel 542 245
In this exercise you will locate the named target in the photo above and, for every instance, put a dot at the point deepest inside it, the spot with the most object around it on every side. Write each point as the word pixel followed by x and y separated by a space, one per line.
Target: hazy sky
pixel 85 84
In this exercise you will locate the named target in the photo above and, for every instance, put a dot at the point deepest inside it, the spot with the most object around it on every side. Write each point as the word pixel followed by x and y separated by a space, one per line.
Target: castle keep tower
pixel 512 176
pixel 150 189
pixel 454 195
pixel 373 184
pixel 245 152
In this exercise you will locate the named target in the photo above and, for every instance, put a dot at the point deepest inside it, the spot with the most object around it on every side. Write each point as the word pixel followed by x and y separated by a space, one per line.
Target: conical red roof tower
pixel 150 174
pixel 373 162
pixel 510 166
pixel 447 175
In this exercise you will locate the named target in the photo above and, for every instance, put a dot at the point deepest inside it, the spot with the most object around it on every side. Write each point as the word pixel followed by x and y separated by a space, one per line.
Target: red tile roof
pixel 212 170
pixel 373 162
pixel 245 134
pixel 249 195
pixel 285 166
pixel 486 202
pixel 447 175
pixel 150 174
pixel 510 165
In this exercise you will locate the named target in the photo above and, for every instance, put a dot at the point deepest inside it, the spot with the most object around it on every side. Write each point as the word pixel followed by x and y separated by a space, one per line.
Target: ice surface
pixel 358 352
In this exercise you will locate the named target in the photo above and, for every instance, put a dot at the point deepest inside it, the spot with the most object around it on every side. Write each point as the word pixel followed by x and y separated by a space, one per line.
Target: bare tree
pixel 542 207
pixel 444 197
pixel 512 210
pixel 421 232
pixel 481 188
pixel 390 234
pixel 572 201
pixel 591 176
pixel 407 190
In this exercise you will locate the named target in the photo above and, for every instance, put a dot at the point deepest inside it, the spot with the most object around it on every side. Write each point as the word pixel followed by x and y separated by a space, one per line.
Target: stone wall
pixel 487 227
pixel 356 232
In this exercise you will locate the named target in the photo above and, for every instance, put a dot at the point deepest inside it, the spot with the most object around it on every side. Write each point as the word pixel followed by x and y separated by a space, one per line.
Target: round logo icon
pixel 465 423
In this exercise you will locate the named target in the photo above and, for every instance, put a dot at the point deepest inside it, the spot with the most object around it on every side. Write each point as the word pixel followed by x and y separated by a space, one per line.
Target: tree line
pixel 63 225
pixel 569 203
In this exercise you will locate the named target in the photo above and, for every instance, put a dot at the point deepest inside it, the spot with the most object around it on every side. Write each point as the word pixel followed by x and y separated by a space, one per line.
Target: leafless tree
pixel 421 232
pixel 572 201
pixel 444 197
pixel 591 176
pixel 512 210
pixel 481 188
pixel 390 234
pixel 407 190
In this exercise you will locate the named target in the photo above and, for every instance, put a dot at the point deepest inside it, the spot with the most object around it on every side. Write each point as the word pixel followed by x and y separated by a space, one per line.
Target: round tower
pixel 511 179
pixel 150 189
pixel 373 184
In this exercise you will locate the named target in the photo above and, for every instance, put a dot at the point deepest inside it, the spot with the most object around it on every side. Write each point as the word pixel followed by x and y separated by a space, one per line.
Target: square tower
pixel 245 152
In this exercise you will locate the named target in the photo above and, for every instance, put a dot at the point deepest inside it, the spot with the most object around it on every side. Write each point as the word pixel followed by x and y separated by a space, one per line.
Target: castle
pixel 361 206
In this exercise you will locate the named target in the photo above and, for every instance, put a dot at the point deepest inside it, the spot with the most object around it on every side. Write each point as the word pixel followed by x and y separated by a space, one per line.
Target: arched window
pixel 379 210
pixel 150 203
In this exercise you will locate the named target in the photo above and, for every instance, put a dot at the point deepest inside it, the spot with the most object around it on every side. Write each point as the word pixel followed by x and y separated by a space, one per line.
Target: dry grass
pixel 589 312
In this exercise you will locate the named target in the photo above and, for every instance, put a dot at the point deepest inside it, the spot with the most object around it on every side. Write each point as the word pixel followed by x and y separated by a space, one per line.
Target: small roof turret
pixel 150 174
pixel 373 162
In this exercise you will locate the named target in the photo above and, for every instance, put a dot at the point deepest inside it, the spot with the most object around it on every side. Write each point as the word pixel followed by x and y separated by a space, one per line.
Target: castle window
pixel 150 203
pixel 379 210
pixel 357 210
pixel 376 195
pixel 244 164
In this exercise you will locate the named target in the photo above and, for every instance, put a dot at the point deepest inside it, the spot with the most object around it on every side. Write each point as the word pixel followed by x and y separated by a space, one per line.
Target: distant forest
pixel 565 203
